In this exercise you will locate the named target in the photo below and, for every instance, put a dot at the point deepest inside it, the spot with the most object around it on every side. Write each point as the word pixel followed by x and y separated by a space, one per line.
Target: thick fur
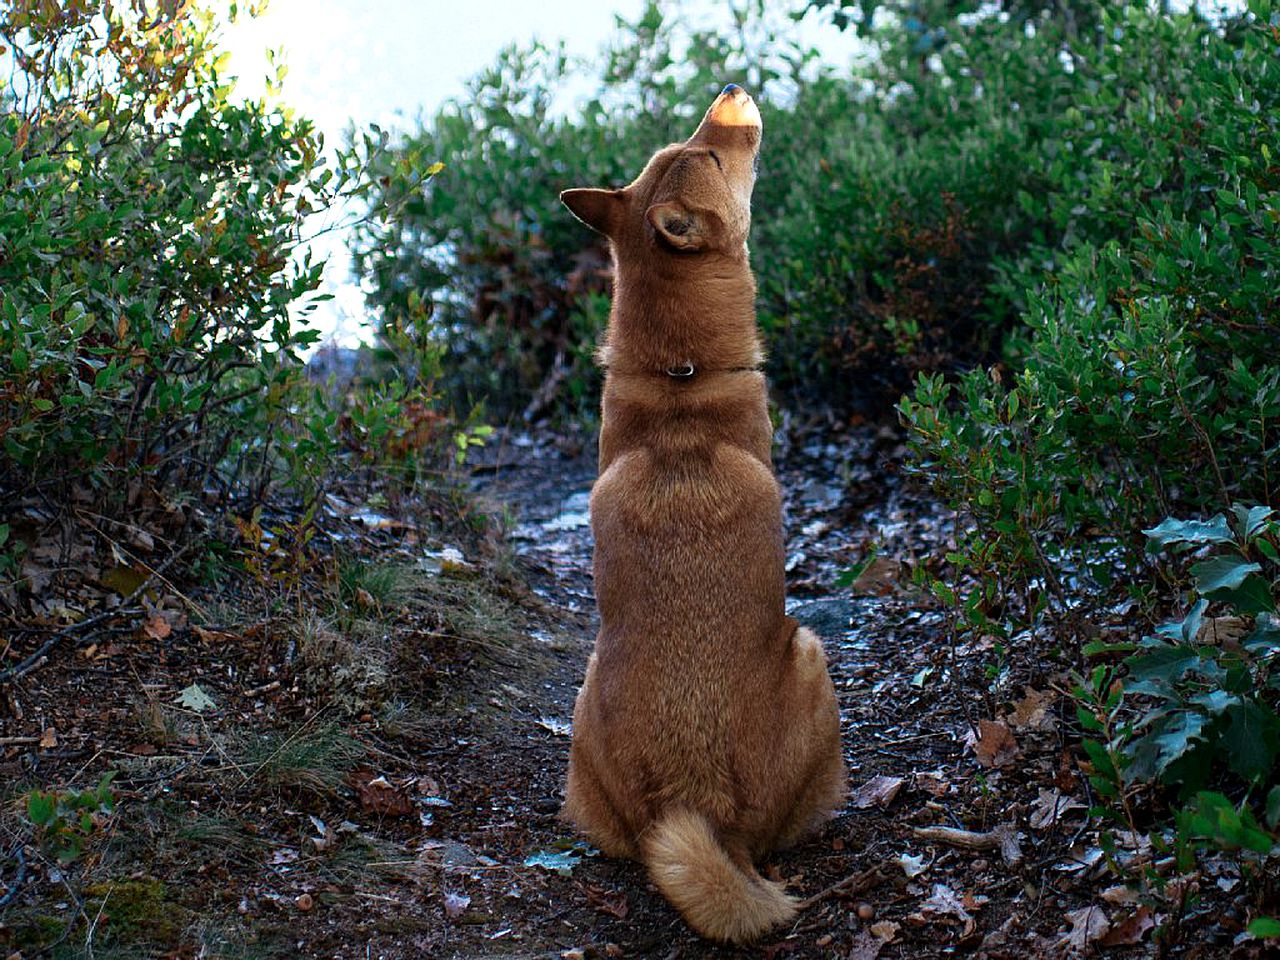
pixel 706 731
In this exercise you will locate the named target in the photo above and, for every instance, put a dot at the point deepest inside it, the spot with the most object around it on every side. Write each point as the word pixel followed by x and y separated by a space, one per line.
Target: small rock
pixel 866 911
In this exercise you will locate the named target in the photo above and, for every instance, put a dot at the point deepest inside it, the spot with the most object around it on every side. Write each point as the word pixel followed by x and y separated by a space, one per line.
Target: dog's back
pixel 706 731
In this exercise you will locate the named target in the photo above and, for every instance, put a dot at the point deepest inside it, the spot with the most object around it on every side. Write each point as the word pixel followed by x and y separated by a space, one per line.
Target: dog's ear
pixel 598 209
pixel 681 228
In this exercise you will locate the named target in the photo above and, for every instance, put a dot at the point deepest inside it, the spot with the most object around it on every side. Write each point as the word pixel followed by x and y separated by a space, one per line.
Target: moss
pixel 137 909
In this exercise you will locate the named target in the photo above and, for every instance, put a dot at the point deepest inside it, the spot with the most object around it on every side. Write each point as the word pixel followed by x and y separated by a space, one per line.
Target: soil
pixel 379 774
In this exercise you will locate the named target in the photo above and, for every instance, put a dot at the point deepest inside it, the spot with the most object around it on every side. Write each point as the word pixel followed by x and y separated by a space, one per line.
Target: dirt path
pixel 903 724
pixel 379 766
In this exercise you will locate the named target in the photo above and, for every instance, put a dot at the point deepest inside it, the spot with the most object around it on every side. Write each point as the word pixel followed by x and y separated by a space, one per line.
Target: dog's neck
pixel 669 316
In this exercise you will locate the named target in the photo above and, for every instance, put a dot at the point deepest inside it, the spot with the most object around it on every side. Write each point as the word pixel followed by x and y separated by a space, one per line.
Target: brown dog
pixel 706 732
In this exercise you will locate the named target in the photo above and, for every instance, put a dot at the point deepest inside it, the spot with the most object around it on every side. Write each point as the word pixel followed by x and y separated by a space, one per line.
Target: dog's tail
pixel 722 897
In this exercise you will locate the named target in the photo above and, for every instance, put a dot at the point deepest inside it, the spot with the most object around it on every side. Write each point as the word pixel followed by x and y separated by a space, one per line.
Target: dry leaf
pixel 1130 930
pixel 379 795
pixel 614 904
pixel 48 739
pixel 1032 711
pixel 932 784
pixel 157 627
pixel 1050 807
pixel 1087 925
pixel 886 930
pixel 995 745
pixel 942 902
pixel 455 904
pixel 878 791
pixel 911 866
pixel 866 946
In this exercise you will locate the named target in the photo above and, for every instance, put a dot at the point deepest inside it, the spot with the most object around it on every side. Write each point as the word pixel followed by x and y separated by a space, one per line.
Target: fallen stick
pixel 1003 838
pixel 855 883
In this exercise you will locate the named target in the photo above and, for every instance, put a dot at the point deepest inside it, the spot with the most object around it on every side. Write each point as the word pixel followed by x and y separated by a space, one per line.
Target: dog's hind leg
pixel 588 807
pixel 822 788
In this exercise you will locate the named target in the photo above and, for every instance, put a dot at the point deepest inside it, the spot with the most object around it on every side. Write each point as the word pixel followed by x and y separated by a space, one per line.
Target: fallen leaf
pixel 48 739
pixel 866 946
pixel 1119 894
pixel 932 784
pixel 942 903
pixel 878 791
pixel 123 579
pixel 614 904
pixel 380 796
pixel 212 636
pixel 1032 711
pixel 1050 807
pixel 1088 924
pixel 1130 930
pixel 194 698
pixel 911 866
pixel 561 728
pixel 886 930
pixel 157 627
pixel 557 861
pixel 1079 858
pixel 994 745
pixel 455 904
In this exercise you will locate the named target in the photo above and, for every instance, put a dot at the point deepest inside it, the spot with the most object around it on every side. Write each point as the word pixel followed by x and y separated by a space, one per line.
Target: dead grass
pixel 314 760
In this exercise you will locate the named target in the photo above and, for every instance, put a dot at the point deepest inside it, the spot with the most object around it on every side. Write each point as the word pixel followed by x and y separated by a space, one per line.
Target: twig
pixel 24 667
pixel 855 883
pixel 1003 838
pixel 12 893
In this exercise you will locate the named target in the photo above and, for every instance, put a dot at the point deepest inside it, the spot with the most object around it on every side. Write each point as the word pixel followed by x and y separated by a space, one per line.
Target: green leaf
pixel 1164 662
pixel 20 359
pixel 40 808
pixel 1249 521
pixel 1263 928
pixel 1221 573
pixel 1251 740
pixel 1272 813
pixel 1214 530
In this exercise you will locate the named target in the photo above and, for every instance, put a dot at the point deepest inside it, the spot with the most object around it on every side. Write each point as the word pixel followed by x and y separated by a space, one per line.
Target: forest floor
pixel 370 764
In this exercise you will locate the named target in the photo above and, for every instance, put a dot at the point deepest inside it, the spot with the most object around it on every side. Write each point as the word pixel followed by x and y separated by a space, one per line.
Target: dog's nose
pixel 730 88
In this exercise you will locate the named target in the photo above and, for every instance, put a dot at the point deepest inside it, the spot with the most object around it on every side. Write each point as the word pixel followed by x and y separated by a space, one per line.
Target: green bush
pixel 485 261
pixel 1143 382
pixel 155 279
pixel 1196 706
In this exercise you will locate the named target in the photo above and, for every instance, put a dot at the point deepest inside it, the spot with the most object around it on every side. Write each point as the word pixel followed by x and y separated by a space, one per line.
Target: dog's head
pixel 692 197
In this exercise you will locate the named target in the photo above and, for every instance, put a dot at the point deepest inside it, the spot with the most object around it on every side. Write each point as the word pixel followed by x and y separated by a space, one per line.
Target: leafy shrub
pixel 66 820
pixel 485 261
pixel 1197 706
pixel 1141 383
pixel 154 274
